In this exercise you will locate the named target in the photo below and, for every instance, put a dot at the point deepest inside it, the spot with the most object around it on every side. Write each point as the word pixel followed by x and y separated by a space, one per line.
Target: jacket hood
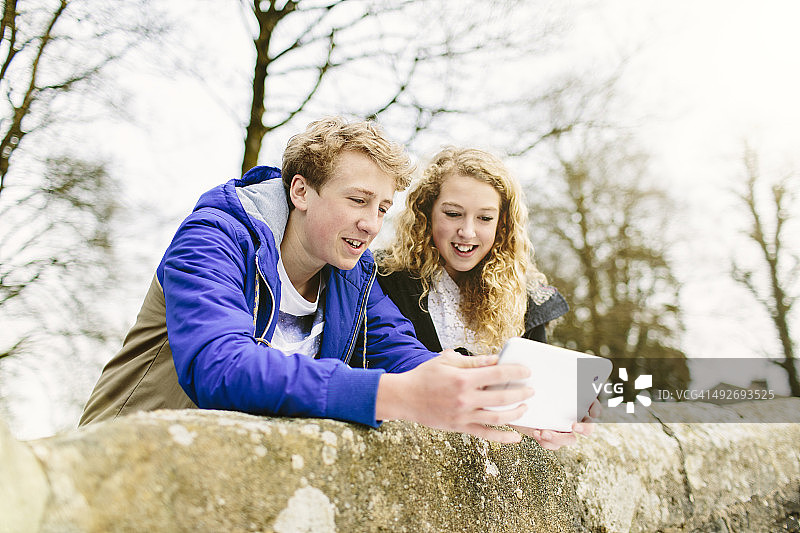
pixel 257 200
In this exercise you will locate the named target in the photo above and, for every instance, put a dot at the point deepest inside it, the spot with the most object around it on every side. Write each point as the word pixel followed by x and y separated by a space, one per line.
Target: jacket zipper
pixel 261 339
pixel 362 314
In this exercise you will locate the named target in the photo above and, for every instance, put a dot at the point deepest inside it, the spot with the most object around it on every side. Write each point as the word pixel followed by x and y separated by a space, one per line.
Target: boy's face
pixel 345 215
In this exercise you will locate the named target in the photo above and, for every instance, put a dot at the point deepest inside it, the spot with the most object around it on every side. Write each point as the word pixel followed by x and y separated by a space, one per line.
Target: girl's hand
pixel 553 440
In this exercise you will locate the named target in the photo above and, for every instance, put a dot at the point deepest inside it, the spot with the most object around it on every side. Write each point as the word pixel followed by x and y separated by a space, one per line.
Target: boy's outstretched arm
pixel 448 392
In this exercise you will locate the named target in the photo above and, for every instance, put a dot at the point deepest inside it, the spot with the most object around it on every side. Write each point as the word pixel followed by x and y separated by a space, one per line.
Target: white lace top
pixel 444 304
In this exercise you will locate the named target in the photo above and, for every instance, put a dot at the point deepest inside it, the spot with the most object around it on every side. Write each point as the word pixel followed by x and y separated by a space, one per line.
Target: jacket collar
pixel 263 198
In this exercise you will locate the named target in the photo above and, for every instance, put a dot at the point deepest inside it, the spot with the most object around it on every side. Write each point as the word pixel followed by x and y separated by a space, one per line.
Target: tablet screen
pixel 565 382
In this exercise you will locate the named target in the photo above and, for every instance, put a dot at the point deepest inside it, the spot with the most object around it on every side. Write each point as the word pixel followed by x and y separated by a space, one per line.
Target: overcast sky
pixel 709 76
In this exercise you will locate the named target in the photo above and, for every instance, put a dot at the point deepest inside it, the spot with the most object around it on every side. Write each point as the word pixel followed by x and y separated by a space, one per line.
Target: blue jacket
pixel 221 291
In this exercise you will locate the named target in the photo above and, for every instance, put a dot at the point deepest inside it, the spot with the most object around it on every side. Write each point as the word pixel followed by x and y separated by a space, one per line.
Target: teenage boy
pixel 266 302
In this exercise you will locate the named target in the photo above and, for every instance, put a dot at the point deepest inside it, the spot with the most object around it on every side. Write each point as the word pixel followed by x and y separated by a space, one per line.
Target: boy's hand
pixel 448 392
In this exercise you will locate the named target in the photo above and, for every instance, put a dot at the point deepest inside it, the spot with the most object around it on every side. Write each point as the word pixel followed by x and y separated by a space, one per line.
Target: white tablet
pixel 565 382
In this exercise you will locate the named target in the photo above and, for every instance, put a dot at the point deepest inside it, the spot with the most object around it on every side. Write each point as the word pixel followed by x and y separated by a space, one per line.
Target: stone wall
pixel 220 471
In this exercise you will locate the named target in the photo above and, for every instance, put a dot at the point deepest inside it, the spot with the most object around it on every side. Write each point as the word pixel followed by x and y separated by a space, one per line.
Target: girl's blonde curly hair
pixel 494 294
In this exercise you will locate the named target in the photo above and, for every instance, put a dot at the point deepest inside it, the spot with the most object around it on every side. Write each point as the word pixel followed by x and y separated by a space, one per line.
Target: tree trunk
pixel 788 363
pixel 256 130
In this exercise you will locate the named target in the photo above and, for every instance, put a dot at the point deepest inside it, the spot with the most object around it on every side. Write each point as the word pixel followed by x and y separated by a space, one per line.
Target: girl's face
pixel 464 222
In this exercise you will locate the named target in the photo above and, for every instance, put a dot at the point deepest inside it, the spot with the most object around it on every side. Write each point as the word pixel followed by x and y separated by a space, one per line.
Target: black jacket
pixel 405 292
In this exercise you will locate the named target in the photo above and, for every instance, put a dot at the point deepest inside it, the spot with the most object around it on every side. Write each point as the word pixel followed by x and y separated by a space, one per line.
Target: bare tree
pixel 56 250
pixel 58 199
pixel 572 105
pixel 399 54
pixel 54 48
pixel 780 266
pixel 56 206
pixel 600 238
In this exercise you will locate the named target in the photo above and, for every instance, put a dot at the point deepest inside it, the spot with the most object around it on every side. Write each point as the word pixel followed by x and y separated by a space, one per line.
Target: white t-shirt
pixel 444 305
pixel 300 322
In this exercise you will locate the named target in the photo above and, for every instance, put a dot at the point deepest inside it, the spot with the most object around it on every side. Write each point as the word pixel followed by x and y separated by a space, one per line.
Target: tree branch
pixel 300 42
pixel 320 75
pixel 400 90
pixel 9 23
pixel 16 348
pixel 14 135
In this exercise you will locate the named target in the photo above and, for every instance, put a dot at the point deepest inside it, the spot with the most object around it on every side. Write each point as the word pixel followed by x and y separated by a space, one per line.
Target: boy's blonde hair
pixel 314 153
pixel 494 294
